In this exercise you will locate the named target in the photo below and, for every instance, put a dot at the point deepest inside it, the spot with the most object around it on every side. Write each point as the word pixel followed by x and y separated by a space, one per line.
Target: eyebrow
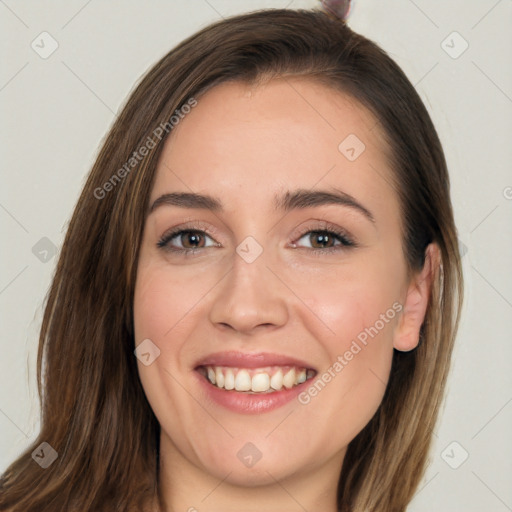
pixel 291 200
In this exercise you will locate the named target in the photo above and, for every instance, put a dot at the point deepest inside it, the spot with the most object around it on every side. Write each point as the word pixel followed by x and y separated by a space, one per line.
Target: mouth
pixel 251 383
pixel 264 380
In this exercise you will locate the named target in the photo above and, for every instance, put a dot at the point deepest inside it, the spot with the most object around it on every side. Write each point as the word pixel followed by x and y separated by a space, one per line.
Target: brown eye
pixel 192 239
pixel 185 240
pixel 325 239
pixel 321 239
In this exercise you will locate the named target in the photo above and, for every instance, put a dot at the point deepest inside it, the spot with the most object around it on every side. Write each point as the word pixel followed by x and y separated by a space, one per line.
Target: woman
pixel 257 297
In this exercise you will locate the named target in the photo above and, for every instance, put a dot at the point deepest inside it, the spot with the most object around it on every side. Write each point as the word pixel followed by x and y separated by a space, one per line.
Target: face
pixel 290 268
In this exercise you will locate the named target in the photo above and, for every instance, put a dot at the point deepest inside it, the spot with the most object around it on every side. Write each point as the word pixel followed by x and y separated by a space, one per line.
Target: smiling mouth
pixel 263 380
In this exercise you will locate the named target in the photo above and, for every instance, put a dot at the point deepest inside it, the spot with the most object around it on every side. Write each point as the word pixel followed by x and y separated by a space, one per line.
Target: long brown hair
pixel 94 411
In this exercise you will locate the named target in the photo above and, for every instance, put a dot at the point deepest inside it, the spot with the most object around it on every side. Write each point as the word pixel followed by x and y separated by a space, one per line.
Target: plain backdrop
pixel 55 112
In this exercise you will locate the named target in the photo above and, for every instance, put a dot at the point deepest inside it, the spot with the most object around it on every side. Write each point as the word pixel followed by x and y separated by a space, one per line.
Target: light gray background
pixel 56 111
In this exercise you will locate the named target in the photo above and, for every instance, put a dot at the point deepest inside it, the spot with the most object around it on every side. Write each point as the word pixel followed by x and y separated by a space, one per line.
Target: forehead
pixel 250 143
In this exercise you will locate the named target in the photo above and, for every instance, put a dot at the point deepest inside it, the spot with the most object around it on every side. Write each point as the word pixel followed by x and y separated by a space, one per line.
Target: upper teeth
pixel 257 379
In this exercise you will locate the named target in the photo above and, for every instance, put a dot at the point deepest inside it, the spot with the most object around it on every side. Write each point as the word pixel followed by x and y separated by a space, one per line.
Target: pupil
pixel 192 239
pixel 322 238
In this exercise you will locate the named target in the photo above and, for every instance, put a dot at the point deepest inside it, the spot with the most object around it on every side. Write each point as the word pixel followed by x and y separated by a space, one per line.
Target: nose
pixel 249 298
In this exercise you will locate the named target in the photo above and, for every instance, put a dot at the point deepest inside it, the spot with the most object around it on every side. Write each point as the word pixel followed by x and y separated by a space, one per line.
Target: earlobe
pixel 416 302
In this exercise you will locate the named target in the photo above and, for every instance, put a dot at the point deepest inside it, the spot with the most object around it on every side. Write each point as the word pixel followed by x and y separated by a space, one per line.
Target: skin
pixel 244 144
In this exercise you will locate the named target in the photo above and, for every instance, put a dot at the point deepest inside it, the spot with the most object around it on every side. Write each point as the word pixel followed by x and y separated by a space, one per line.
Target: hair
pixel 94 412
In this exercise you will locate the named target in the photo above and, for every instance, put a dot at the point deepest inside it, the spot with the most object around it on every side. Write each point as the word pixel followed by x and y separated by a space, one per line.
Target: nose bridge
pixel 249 295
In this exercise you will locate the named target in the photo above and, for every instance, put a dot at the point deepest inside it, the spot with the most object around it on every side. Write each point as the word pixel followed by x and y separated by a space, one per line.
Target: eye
pixel 192 240
pixel 325 240
pixel 186 240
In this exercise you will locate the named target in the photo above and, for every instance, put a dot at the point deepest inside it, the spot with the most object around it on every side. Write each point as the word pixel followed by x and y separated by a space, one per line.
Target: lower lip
pixel 247 403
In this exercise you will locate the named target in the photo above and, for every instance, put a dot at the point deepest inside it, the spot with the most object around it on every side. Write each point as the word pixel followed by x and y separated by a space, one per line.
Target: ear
pixel 407 335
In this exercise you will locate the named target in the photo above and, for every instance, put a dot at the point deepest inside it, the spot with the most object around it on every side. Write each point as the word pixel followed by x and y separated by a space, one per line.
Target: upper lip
pixel 250 360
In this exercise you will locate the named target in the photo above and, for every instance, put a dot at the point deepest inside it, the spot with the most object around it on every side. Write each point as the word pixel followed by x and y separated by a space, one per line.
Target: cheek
pixel 361 320
pixel 351 299
pixel 349 389
pixel 164 313
pixel 160 315
pixel 359 311
pixel 164 303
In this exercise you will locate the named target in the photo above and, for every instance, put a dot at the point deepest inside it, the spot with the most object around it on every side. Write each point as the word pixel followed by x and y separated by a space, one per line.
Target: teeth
pixel 219 377
pixel 261 380
pixel 276 382
pixel 289 379
pixel 229 380
pixel 243 381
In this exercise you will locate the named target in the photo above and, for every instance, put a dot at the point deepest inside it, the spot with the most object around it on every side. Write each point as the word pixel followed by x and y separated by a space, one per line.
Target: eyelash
pixel 346 241
pixel 340 235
